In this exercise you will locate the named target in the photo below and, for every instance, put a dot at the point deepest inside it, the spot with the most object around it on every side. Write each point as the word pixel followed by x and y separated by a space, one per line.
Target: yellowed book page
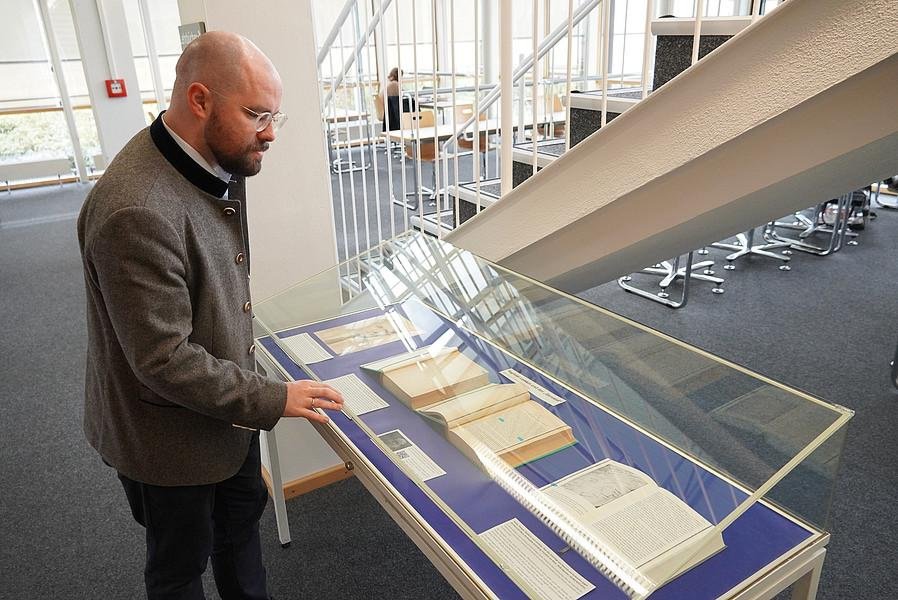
pixel 367 333
pixel 511 427
pixel 647 523
pixel 434 379
pixel 586 491
pixel 478 403
pixel 410 357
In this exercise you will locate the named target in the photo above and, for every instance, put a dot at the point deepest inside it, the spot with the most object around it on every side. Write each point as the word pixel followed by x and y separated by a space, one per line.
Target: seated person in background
pixel 393 86
pixel 394 91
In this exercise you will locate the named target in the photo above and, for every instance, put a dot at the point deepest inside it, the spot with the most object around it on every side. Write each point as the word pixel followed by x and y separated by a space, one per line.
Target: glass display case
pixel 551 448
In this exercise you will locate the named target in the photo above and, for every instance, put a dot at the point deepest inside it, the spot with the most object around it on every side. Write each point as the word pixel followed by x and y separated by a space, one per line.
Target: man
pixel 171 399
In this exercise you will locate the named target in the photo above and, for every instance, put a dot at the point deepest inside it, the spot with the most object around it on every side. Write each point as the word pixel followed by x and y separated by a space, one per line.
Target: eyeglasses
pixel 263 120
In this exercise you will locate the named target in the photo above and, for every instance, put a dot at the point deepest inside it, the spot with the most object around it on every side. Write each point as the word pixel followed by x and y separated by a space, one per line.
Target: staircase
pixel 797 107
pixel 673 56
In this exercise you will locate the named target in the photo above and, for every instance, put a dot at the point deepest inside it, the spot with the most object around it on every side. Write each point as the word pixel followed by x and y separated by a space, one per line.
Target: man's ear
pixel 199 100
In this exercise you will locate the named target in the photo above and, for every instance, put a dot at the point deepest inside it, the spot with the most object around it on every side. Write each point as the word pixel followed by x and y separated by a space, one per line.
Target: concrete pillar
pixel 118 119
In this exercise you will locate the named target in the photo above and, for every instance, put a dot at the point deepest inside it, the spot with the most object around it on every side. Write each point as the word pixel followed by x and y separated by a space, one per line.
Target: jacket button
pixel 229 212
pixel 247 306
pixel 239 258
pixel 252 349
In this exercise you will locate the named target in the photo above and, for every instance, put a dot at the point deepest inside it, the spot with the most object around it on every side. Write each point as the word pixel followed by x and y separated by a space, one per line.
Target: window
pixel 32 122
pixel 162 26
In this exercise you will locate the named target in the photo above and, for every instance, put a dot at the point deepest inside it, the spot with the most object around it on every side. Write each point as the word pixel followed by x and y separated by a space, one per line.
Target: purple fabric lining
pixel 754 540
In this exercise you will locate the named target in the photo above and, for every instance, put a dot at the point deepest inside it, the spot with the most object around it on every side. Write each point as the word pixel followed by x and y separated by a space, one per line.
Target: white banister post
pixel 647 47
pixel 505 64
pixel 64 98
pixel 697 30
pixel 487 35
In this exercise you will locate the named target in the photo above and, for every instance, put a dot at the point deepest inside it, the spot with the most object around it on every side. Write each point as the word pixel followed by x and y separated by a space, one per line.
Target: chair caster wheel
pixel 285 545
pixel 852 242
pixel 784 268
pixel 708 271
pixel 787 253
pixel 663 294
pixel 729 267
pixel 703 252
pixel 626 278
pixel 717 290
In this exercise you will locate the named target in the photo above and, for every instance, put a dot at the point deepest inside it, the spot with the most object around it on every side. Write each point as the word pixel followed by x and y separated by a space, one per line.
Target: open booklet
pixel 451 389
pixel 646 525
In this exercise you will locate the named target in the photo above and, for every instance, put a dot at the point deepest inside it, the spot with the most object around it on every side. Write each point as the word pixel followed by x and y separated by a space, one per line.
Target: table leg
pixel 277 488
pixel 806 587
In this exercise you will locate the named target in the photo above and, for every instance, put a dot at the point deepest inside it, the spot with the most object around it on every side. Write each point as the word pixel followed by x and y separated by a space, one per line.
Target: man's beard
pixel 236 163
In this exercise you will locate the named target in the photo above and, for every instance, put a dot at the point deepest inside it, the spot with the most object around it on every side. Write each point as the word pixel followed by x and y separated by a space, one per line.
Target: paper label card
pixel 532 562
pixel 536 389
pixel 357 396
pixel 306 349
pixel 411 456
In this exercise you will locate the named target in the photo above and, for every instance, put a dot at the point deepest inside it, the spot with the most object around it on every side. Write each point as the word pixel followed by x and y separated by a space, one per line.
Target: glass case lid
pixel 539 421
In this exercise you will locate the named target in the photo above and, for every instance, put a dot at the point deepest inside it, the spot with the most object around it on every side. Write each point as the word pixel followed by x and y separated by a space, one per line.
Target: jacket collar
pixel 185 165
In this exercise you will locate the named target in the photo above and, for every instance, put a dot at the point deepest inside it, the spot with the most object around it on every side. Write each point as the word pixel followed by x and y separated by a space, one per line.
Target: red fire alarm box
pixel 115 88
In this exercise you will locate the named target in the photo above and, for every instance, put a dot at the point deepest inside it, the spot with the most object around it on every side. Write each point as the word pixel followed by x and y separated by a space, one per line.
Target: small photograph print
pixel 395 441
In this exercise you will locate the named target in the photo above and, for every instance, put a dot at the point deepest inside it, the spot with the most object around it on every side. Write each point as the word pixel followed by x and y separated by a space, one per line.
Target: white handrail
pixel 358 49
pixel 335 30
pixel 522 69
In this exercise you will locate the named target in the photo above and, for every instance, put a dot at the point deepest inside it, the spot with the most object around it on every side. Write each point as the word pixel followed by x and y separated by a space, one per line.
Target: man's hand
pixel 306 395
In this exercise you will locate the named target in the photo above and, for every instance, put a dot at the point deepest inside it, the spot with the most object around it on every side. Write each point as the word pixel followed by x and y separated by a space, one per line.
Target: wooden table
pixel 443 132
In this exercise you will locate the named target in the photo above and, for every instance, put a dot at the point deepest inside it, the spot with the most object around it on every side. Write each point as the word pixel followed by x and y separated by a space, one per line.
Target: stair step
pixel 618 100
pixel 490 191
pixel 546 152
pixel 710 25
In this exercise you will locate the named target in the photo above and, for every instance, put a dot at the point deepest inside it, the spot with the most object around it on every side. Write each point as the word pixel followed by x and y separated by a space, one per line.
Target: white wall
pixel 289 203
pixel 118 119
pixel 291 215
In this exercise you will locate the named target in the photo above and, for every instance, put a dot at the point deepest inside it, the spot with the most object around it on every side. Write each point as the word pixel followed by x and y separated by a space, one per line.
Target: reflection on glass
pixel 531 416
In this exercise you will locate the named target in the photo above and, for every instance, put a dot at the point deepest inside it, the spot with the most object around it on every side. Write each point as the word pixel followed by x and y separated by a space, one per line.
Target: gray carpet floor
pixel 829 326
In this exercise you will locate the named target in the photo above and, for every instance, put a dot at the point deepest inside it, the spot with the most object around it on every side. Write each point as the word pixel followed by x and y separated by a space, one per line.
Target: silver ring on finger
pixel 313 404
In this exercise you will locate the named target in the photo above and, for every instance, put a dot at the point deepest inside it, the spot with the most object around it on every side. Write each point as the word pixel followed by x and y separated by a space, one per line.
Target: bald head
pixel 226 91
pixel 223 61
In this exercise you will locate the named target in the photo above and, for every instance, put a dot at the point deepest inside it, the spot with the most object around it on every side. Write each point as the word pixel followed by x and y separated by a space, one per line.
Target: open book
pixel 648 527
pixel 505 419
pixel 452 390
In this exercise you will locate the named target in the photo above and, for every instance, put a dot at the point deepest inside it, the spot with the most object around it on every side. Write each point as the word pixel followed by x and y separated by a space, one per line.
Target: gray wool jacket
pixel 170 344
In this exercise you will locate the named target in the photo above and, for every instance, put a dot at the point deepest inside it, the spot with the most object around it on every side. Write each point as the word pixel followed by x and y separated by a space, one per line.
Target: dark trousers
pixel 185 525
